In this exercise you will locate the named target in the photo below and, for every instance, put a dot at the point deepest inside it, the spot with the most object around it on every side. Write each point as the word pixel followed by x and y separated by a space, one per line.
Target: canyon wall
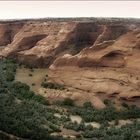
pixel 41 43
pixel 98 57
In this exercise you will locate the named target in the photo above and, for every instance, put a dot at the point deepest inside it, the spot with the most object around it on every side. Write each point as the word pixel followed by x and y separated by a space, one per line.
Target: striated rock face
pixel 40 43
pixel 98 57
pixel 8 31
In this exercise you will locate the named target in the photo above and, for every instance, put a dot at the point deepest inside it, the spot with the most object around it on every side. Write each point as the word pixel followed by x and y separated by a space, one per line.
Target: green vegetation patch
pixel 28 115
pixel 90 114
pixel 52 85
pixel 22 112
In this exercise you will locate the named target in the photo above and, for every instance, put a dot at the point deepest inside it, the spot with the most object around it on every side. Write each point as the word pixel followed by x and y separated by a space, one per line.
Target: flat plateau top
pixel 80 19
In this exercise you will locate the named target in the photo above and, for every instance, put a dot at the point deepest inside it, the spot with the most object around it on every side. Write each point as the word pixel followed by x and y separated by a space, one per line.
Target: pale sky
pixel 42 9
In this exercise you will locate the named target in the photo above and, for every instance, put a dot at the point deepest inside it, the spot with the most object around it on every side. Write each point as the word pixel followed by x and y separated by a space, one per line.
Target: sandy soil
pixel 37 77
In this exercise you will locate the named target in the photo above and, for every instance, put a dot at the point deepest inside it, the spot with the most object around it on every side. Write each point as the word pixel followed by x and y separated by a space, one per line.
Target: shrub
pixel 30 74
pixel 33 84
pixel 87 104
pixel 22 90
pixel 125 105
pixel 52 85
pixel 7 69
pixel 68 102
pixel 107 102
pixel 9 76
pixel 96 133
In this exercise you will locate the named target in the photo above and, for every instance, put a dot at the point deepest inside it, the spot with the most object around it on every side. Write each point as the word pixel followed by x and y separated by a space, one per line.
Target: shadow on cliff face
pixel 6 37
pixel 29 42
pixel 8 31
pixel 86 35
pixel 89 38
pixel 89 34
pixel 113 59
pixel 82 35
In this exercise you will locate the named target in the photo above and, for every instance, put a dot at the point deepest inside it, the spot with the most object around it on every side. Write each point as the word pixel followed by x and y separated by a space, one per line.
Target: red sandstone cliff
pixel 98 57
